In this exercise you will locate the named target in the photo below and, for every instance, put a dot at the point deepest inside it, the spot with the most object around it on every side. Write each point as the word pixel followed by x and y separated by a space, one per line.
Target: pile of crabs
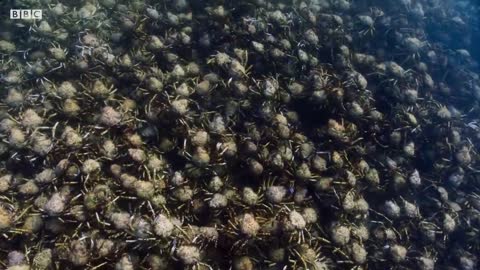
pixel 249 134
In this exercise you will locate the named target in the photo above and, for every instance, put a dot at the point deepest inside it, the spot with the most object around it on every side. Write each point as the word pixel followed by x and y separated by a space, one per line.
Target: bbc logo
pixel 26 14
